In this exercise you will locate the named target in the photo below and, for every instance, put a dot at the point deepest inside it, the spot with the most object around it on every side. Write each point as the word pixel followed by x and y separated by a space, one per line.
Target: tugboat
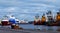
pixel 57 22
pixel 50 18
pixel 14 22
pixel 43 20
pixel 5 21
pixel 51 21
pixel 37 20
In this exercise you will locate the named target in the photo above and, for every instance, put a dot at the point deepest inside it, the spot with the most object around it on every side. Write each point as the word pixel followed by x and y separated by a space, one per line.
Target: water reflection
pixel 41 27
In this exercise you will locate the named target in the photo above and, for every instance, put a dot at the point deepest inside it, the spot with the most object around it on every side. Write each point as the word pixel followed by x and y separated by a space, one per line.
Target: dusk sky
pixel 27 9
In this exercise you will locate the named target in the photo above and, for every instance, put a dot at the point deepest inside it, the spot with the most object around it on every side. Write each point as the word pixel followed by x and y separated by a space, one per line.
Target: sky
pixel 27 9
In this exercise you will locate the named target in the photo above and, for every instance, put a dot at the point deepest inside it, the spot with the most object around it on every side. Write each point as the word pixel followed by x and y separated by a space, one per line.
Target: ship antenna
pixel 59 10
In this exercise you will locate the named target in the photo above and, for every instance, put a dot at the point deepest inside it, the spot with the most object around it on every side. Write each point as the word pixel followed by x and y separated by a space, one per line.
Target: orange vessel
pixel 57 21
pixel 43 20
pixel 58 16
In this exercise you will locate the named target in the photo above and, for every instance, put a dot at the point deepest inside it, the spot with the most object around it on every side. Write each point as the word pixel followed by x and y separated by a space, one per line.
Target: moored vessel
pixel 43 20
pixel 37 20
pixel 5 21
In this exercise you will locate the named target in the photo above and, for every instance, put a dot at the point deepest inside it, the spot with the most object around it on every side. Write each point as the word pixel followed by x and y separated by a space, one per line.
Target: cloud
pixel 28 8
pixel 10 9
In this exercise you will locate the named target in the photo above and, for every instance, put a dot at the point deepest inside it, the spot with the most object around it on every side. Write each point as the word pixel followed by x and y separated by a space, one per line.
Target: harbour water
pixel 41 27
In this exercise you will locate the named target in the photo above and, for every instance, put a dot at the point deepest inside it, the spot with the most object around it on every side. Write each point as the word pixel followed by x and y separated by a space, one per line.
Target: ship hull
pixel 5 23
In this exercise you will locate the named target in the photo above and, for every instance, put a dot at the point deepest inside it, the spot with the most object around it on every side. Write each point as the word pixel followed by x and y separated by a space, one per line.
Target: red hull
pixel 37 23
pixel 5 23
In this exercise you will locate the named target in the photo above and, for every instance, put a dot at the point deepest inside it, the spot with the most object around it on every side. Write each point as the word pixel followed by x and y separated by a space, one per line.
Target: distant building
pixel 22 21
